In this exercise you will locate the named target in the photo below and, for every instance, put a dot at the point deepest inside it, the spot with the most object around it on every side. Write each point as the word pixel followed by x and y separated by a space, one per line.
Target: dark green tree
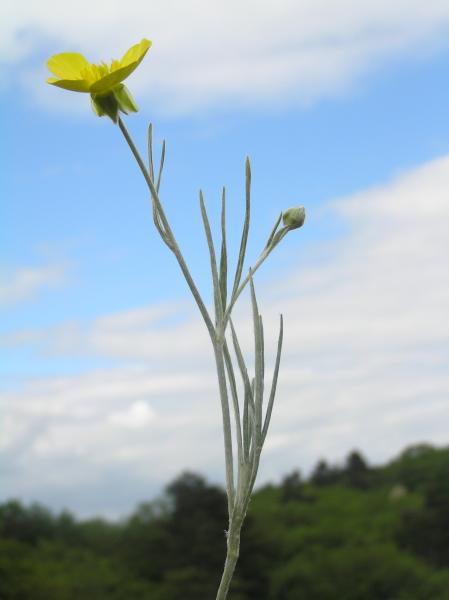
pixel 323 474
pixel 184 534
pixel 425 531
pixel 292 487
pixel 356 471
pixel 26 524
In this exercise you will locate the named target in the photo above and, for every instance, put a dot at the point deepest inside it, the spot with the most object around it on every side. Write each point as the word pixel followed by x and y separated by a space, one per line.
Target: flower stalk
pixel 110 97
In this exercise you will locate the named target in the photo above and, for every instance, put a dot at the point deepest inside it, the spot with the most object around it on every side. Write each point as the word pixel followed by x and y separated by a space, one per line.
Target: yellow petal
pixel 109 81
pixel 74 85
pixel 67 65
pixel 135 53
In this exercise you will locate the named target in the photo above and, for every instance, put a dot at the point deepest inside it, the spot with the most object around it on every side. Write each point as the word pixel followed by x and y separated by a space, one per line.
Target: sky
pixel 108 383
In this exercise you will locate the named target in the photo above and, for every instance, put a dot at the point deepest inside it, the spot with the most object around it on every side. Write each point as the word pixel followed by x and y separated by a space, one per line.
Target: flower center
pixel 94 73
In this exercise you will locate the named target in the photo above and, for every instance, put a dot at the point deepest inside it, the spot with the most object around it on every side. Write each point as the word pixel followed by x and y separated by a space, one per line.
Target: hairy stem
pixel 174 246
pixel 244 283
pixel 232 555
pixel 250 434
pixel 218 349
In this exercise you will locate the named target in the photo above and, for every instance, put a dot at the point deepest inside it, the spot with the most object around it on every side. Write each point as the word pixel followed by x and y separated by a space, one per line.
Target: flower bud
pixel 294 217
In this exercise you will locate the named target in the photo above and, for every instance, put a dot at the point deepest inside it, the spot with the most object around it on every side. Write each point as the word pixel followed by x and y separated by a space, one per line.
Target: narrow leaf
pixel 245 424
pixel 252 424
pixel 248 406
pixel 224 253
pixel 259 358
pixel 274 382
pixel 161 167
pixel 240 359
pixel 156 217
pixel 232 385
pixel 150 151
pixel 241 258
pixel 213 260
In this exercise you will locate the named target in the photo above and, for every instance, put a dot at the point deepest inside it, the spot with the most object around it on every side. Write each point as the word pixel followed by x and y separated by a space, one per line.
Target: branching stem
pixel 251 432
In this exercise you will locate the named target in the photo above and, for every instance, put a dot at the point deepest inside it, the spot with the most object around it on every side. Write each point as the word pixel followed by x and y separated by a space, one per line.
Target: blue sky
pixel 104 360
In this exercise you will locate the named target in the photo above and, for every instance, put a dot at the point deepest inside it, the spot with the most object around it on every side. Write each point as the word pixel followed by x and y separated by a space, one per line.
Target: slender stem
pixel 232 556
pixel 242 286
pixel 136 156
pixel 174 246
pixel 218 350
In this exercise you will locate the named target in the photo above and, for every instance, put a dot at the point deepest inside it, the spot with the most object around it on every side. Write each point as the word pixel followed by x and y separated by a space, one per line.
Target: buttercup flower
pixel 103 82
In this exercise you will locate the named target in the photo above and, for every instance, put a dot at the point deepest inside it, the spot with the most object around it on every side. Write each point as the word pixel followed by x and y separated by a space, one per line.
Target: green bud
pixel 294 217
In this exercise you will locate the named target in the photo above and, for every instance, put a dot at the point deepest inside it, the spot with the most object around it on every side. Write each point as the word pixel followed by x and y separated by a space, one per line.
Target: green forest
pixel 347 532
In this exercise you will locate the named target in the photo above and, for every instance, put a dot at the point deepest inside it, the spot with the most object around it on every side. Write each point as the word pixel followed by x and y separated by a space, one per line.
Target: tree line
pixel 350 531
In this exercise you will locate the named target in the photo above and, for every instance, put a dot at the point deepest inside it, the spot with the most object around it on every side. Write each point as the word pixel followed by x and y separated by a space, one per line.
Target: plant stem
pixel 218 348
pixel 174 246
pixel 241 287
pixel 232 555
pixel 248 460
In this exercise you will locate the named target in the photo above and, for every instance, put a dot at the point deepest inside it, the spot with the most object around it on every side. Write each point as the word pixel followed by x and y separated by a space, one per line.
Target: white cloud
pixel 365 364
pixel 25 283
pixel 208 53
pixel 138 415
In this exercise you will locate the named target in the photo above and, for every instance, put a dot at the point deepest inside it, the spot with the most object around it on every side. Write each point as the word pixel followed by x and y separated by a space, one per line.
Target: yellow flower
pixel 103 82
